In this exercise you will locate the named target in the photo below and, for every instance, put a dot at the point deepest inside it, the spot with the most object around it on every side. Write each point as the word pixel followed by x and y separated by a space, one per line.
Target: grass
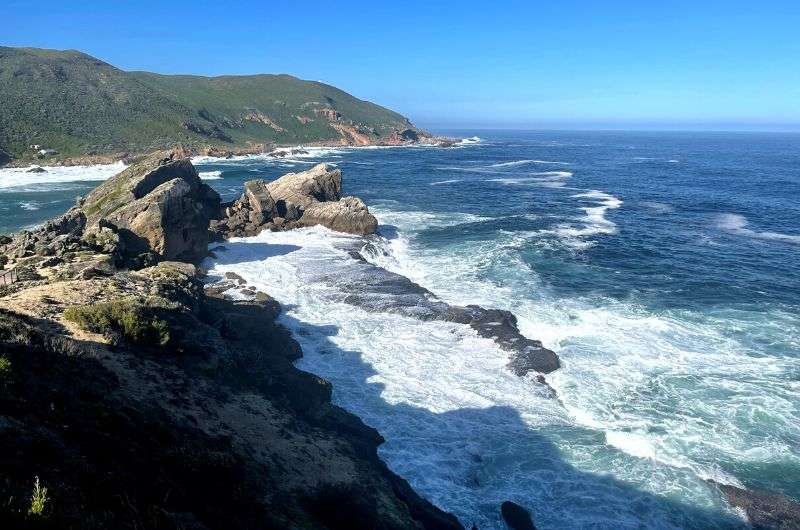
pixel 38 499
pixel 130 319
pixel 79 105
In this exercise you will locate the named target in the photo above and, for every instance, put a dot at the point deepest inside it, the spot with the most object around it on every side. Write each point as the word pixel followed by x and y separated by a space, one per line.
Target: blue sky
pixel 701 64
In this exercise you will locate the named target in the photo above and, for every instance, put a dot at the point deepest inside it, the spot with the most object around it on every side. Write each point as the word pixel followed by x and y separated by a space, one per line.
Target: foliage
pixel 132 320
pixel 79 105
pixel 38 499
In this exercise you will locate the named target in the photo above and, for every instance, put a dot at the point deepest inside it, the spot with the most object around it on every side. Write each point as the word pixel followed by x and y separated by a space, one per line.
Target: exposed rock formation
pixel 516 517
pixel 318 184
pixel 158 205
pixel 764 509
pixel 348 214
pixel 308 198
pixel 210 427
pixel 254 211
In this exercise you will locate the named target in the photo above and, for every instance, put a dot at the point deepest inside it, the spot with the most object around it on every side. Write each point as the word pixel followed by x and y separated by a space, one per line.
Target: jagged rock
pixel 5 158
pixel 158 205
pixel 764 509
pixel 36 169
pixel 249 214
pixel 349 214
pixel 516 517
pixel 293 192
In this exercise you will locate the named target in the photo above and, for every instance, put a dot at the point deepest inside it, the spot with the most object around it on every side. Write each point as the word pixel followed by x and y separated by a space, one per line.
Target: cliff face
pixel 139 399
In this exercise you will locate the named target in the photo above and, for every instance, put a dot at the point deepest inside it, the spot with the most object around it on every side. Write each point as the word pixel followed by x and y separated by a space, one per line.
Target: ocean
pixel 662 267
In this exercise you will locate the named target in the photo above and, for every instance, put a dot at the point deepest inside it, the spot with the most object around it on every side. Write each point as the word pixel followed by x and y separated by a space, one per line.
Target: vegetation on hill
pixel 77 105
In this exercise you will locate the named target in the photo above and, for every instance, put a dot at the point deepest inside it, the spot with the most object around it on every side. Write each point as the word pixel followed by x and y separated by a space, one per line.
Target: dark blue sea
pixel 662 267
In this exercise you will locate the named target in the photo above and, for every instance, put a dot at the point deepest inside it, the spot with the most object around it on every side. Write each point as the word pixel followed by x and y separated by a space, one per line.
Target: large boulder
pixel 308 198
pixel 349 214
pixel 249 214
pixel 516 517
pixel 294 192
pixel 158 206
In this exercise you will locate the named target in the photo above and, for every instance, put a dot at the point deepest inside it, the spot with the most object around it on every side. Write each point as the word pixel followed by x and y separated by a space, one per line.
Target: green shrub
pixel 5 371
pixel 130 319
pixel 38 499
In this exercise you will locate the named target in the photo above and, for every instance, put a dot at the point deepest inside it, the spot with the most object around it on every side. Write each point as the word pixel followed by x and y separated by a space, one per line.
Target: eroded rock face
pixel 248 215
pixel 349 214
pixel 307 198
pixel 319 184
pixel 158 205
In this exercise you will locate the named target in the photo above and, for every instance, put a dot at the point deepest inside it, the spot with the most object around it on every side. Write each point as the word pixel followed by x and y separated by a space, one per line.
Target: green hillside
pixel 78 105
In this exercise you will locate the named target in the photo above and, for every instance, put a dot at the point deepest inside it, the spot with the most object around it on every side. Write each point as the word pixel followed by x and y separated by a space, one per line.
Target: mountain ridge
pixel 67 104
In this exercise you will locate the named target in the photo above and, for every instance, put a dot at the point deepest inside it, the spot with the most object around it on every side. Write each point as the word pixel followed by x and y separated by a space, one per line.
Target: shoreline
pixel 128 157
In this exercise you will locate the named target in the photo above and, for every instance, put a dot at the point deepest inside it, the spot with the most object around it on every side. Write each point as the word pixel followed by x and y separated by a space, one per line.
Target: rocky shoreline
pixel 408 137
pixel 146 397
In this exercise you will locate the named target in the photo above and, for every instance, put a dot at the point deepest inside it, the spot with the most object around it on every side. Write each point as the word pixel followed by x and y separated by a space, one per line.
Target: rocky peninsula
pixel 134 393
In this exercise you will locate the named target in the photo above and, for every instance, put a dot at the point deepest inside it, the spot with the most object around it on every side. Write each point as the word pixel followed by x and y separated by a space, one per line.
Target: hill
pixel 78 105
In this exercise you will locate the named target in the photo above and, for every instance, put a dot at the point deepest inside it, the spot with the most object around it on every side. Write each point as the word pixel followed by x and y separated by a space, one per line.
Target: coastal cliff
pixel 134 396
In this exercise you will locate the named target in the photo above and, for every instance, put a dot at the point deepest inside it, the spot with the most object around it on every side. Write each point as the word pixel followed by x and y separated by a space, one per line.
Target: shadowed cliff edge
pixel 134 396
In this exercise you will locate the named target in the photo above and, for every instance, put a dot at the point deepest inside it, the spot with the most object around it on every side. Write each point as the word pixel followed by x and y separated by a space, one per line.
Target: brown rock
pixel 349 214
pixel 293 192
pixel 158 205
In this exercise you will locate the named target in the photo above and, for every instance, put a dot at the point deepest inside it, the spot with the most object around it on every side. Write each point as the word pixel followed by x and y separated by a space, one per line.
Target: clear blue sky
pixel 564 63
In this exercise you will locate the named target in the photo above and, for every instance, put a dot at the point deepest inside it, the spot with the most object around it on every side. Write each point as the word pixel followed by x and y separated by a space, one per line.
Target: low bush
pixel 126 319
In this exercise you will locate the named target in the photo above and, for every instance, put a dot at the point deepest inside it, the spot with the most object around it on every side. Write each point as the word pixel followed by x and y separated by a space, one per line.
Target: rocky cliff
pixel 132 397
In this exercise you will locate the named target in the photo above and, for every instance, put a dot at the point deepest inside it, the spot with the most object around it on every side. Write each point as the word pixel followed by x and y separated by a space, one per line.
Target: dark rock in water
pixel 501 326
pixel 765 510
pixel 36 169
pixel 377 289
pixel 516 517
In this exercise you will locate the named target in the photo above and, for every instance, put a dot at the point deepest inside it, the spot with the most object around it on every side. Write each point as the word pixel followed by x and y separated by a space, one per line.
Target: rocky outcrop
pixel 259 117
pixel 348 214
pixel 765 510
pixel 516 517
pixel 254 211
pixel 296 191
pixel 158 206
pixel 308 198
pixel 207 424
pixel 5 158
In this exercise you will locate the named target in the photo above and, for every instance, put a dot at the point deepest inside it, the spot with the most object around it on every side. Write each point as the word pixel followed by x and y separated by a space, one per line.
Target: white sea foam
pixel 30 206
pixel 737 224
pixel 210 175
pixel 19 179
pixel 440 182
pixel 595 221
pixel 541 177
pixel 524 162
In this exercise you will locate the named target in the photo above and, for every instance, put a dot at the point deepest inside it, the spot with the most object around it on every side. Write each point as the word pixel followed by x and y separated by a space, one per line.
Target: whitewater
pixel 658 267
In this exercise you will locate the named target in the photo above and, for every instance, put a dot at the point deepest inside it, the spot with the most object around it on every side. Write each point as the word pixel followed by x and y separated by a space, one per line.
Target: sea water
pixel 663 268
